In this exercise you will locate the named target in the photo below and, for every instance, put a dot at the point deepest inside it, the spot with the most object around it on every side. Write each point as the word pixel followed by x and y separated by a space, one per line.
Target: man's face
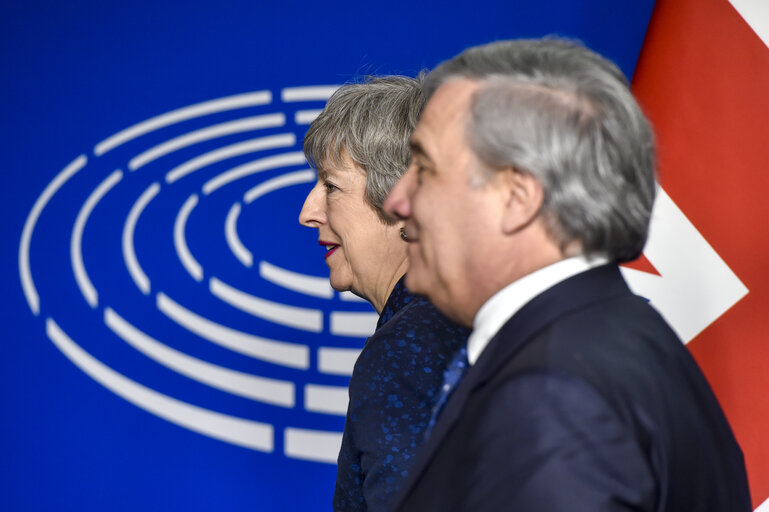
pixel 451 207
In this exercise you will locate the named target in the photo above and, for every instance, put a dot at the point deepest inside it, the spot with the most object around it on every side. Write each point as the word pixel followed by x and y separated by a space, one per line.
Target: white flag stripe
pixel 696 286
pixel 756 14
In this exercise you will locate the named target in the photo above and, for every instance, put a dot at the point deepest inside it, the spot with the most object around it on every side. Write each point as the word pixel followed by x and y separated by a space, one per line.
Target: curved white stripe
pixel 337 361
pixel 283 314
pixel 285 180
pixel 351 297
pixel 309 285
pixel 211 132
pixel 238 431
pixel 344 323
pixel 262 389
pixel 310 93
pixel 326 399
pixel 180 242
pixel 306 116
pixel 27 284
pixel 263 164
pixel 231 234
pixel 182 114
pixel 129 254
pixel 75 247
pixel 241 148
pixel 315 445
pixel 279 352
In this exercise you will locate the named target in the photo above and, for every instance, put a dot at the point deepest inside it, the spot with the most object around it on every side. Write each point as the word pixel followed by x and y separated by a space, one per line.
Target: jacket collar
pixel 398 298
pixel 579 291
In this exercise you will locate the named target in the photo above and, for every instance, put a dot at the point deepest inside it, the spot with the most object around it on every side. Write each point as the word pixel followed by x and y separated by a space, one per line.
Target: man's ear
pixel 523 196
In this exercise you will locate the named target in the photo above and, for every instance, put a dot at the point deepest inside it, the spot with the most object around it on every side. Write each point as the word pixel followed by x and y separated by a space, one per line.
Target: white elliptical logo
pixel 167 168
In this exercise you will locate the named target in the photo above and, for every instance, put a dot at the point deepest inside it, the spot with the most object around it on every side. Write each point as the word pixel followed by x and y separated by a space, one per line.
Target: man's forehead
pixel 447 109
pixel 451 99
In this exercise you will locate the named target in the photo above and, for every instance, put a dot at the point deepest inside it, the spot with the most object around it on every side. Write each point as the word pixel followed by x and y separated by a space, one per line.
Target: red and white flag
pixel 703 80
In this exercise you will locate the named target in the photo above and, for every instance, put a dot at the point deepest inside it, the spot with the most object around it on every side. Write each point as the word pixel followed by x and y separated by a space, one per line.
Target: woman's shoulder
pixel 420 321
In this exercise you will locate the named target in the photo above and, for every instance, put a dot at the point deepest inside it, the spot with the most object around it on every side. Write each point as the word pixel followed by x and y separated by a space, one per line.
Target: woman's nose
pixel 313 212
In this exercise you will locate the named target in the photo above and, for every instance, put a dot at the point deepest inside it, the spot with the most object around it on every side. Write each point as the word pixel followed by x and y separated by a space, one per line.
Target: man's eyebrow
pixel 417 149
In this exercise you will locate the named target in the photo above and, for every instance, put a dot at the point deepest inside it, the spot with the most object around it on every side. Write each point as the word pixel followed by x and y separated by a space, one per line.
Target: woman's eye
pixel 330 187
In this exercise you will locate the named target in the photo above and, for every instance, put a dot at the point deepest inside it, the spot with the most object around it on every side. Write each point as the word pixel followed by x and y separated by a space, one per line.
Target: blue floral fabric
pixel 393 388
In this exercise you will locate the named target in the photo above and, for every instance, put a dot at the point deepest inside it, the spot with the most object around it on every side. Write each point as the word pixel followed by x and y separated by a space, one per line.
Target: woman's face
pixel 363 254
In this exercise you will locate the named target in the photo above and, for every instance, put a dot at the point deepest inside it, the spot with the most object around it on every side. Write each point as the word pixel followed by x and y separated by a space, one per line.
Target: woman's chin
pixel 339 285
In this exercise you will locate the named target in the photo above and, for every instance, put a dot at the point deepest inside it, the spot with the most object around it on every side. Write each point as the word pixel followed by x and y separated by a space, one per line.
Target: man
pixel 532 177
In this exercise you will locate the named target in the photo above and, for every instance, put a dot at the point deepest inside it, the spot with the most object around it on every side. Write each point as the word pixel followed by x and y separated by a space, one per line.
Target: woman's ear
pixel 523 196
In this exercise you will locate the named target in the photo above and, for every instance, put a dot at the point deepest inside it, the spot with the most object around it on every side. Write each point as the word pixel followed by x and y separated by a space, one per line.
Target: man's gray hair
pixel 565 115
pixel 371 122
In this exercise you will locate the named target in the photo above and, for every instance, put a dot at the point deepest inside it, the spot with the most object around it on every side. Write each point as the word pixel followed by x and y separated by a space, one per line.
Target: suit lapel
pixel 590 287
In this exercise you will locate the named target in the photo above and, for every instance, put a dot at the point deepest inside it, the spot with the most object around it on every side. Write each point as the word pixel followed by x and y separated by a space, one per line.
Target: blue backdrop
pixel 170 341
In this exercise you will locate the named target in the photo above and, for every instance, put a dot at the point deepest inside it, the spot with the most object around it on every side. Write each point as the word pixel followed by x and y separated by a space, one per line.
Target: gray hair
pixel 371 122
pixel 565 115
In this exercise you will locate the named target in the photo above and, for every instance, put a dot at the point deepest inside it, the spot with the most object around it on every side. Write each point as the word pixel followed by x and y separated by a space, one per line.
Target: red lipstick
pixel 330 247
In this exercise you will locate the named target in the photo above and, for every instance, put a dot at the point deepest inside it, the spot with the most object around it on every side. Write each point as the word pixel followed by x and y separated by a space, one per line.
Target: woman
pixel 359 145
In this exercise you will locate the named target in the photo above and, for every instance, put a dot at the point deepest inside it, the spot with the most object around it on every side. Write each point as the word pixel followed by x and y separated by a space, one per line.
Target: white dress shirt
pixel 496 311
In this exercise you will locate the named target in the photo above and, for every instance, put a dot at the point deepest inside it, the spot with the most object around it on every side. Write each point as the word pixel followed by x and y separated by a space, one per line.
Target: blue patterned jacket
pixel 392 391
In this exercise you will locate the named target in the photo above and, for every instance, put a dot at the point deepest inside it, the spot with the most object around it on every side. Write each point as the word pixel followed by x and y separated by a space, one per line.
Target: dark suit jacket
pixel 584 401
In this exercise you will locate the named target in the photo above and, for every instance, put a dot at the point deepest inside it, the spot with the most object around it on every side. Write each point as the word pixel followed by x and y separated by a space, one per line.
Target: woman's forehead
pixel 341 165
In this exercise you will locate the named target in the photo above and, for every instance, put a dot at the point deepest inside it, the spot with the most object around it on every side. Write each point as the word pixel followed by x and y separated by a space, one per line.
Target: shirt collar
pixel 496 311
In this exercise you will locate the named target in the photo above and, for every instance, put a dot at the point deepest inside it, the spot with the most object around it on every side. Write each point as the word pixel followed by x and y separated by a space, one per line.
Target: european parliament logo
pixel 168 266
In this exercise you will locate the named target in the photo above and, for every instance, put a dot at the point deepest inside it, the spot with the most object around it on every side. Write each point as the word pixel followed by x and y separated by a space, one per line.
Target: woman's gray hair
pixel 564 114
pixel 371 122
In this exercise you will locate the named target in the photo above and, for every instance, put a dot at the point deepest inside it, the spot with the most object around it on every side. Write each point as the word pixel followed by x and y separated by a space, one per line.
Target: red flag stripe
pixel 703 79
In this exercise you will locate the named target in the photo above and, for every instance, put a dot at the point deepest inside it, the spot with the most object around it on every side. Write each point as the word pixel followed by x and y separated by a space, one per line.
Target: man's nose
pixel 398 201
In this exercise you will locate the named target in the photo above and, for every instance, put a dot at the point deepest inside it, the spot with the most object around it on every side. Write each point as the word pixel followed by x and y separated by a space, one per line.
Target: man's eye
pixel 421 171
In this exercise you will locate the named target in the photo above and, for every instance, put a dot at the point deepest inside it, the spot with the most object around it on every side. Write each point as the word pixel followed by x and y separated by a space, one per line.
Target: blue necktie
pixel 451 376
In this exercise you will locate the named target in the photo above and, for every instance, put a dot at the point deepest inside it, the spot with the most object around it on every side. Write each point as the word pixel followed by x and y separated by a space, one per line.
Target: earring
pixel 403 235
